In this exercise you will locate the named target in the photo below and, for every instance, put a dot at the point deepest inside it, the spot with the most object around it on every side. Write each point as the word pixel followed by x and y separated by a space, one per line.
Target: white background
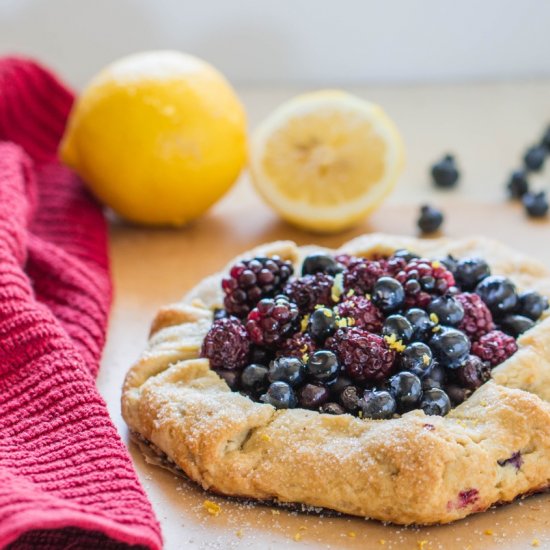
pixel 307 42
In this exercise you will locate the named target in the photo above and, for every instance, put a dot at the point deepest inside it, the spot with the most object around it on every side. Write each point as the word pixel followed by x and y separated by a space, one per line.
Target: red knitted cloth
pixel 66 479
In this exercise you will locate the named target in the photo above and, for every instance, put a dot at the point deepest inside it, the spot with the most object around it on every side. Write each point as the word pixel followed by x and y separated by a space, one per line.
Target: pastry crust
pixel 413 469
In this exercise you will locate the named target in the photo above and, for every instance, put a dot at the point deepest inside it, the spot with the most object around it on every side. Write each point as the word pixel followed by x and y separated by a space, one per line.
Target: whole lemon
pixel 157 136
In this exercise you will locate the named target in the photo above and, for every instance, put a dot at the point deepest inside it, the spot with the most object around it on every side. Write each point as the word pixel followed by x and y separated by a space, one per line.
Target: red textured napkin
pixel 66 479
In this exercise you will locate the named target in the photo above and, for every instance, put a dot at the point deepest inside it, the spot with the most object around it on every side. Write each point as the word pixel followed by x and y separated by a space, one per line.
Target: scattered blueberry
pixel 378 405
pixel 322 324
pixel 534 158
pixel 312 396
pixel 398 326
pixel 499 293
pixel 514 325
pixel 321 263
pixel 435 402
pixel 421 323
pixel 406 389
pixel 254 378
pixel 280 395
pixel 430 219
pixel 518 184
pixel 471 271
pixel 536 204
pixel 287 369
pixel 331 408
pixel 450 346
pixel 322 365
pixel 388 294
pixel 448 309
pixel 445 173
pixel 532 304
pixel 416 358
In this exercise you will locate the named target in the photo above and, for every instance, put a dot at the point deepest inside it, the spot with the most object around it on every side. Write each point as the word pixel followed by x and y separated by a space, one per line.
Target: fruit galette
pixel 398 379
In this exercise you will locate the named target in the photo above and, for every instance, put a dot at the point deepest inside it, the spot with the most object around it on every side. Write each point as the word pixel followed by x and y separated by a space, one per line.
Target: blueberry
pixel 473 372
pixel 421 323
pixel 457 394
pixel 280 395
pixel 536 204
pixel 430 219
pixel 416 358
pixel 534 158
pixel 499 293
pixel 377 405
pixel 321 263
pixel 435 378
pixel 445 173
pixel 450 346
pixel 338 385
pixel 532 304
pixel 435 402
pixel 388 294
pixel 518 184
pixel 449 262
pixel 398 326
pixel 231 378
pixel 312 396
pixel 449 310
pixel 470 271
pixel 406 255
pixel 406 389
pixel 545 141
pixel 322 324
pixel 331 408
pixel 514 325
pixel 260 356
pixel 254 378
pixel 349 398
pixel 323 365
pixel 220 313
pixel 287 369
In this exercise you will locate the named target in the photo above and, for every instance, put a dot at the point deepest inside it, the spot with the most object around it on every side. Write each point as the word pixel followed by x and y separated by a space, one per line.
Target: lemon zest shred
pixel 212 508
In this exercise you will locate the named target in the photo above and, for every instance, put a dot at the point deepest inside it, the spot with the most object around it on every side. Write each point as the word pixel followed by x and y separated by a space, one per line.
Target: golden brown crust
pixel 414 469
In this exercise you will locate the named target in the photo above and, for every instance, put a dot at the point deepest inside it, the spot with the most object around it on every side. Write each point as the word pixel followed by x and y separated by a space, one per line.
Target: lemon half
pixel 325 160
pixel 157 136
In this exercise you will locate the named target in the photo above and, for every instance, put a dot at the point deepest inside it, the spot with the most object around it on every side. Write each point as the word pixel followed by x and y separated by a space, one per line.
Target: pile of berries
pixel 369 337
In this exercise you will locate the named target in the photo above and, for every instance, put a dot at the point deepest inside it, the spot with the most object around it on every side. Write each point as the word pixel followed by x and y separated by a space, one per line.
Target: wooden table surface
pixel 487 127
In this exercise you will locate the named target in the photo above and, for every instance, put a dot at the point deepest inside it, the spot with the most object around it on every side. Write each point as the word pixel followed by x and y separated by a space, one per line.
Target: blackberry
pixel 430 219
pixel 361 274
pixel 299 345
pixel 473 372
pixel 310 290
pixel 226 345
pixel 445 173
pixel 429 278
pixel 251 280
pixel 271 321
pixel 363 312
pixel 536 204
pixel 495 347
pixel 363 355
pixel 477 319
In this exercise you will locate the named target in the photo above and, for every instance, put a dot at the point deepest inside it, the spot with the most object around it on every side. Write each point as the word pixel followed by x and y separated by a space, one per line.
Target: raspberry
pixel 226 344
pixel 473 372
pixel 272 320
pixel 364 313
pixel 251 280
pixel 421 278
pixel 363 355
pixel 298 345
pixel 494 347
pixel 477 319
pixel 309 291
pixel 361 274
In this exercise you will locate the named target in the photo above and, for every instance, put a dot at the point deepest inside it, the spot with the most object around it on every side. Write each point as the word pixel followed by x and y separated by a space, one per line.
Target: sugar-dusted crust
pixel 414 469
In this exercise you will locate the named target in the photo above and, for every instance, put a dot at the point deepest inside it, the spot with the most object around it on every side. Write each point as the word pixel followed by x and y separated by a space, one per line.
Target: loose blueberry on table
pixel 369 337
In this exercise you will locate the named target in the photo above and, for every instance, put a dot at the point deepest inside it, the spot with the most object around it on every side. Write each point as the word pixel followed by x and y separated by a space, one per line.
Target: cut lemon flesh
pixel 324 160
